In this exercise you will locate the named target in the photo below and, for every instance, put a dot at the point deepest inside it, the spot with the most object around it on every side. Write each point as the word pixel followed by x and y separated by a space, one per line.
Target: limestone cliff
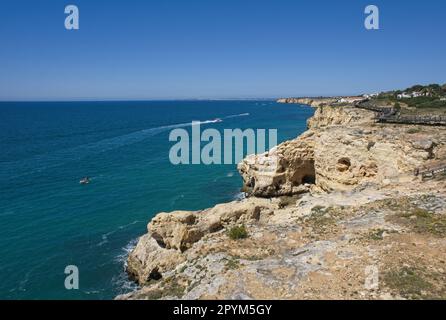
pixel 342 150
pixel 322 211
pixel 314 102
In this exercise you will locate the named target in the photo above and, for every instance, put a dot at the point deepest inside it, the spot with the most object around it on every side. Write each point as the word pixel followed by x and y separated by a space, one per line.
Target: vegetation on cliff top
pixel 238 232
pixel 422 98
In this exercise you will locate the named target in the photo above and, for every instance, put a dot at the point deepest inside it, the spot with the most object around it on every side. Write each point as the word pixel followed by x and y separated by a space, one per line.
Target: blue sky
pixel 170 49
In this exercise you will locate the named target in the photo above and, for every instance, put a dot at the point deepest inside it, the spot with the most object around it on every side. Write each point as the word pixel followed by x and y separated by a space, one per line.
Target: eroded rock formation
pixel 171 234
pixel 321 209
pixel 342 149
pixel 284 170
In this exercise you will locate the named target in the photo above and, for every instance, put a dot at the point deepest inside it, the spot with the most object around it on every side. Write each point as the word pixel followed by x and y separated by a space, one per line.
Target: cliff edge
pixel 337 213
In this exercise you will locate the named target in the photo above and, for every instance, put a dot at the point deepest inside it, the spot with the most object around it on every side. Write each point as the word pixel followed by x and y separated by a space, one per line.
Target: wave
pixel 240 196
pixel 122 257
pixel 105 236
pixel 121 282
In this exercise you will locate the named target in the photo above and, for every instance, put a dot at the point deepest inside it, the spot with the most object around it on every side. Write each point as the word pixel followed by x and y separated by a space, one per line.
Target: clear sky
pixel 168 49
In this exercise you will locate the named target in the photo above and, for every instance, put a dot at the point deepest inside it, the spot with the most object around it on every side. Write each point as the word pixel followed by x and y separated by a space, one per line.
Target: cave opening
pixel 309 179
pixel 343 164
pixel 155 274
pixel 308 173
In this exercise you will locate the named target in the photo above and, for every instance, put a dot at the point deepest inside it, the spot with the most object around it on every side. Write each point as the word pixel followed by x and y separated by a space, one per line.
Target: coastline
pixel 310 101
pixel 333 201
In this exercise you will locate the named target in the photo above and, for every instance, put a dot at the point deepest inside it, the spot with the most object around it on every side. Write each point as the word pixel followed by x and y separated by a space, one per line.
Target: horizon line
pixel 177 99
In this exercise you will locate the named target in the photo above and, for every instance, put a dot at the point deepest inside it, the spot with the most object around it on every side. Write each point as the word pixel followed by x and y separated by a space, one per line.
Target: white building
pixel 350 99
pixel 415 94
pixel 372 95
pixel 404 95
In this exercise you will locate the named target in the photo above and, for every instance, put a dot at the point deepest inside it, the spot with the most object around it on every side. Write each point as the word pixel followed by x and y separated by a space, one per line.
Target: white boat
pixel 85 180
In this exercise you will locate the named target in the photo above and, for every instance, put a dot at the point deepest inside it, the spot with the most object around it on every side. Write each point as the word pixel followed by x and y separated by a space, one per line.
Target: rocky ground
pixel 336 213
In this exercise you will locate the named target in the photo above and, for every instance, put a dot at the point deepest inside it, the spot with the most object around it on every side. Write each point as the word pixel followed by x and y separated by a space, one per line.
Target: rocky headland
pixel 314 102
pixel 340 212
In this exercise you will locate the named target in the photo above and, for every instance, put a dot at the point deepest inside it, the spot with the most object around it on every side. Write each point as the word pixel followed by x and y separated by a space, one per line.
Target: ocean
pixel 48 220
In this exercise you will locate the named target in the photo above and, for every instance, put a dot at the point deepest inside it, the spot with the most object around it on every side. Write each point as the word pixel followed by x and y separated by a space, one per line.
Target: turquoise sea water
pixel 48 220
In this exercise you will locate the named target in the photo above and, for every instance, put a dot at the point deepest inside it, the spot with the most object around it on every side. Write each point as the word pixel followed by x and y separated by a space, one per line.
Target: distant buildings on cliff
pixel 415 94
pixel 350 99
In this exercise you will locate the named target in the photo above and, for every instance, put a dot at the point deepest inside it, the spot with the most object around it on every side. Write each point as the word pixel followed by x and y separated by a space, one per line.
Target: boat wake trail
pixel 237 116
pixel 43 162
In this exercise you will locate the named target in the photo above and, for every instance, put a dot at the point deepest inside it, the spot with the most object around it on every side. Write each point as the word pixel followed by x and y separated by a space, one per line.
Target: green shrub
pixel 238 232
pixel 413 130
pixel 409 282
